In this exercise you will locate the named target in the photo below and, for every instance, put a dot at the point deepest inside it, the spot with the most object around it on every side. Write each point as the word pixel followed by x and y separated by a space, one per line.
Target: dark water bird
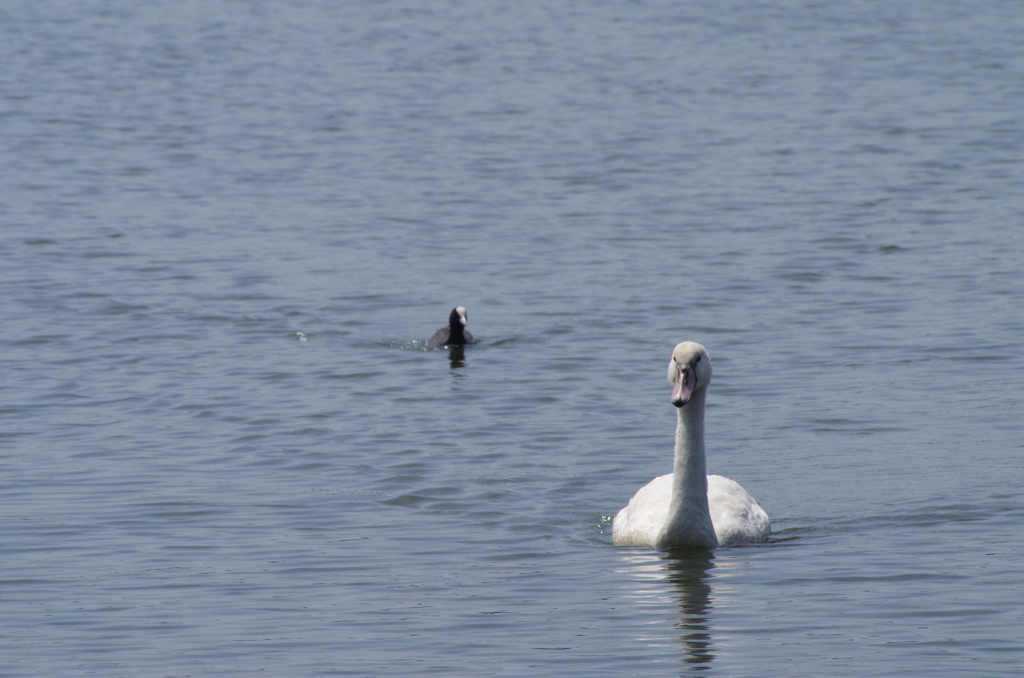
pixel 455 334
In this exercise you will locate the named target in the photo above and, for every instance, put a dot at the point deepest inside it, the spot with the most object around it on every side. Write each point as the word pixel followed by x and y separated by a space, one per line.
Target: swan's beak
pixel 682 387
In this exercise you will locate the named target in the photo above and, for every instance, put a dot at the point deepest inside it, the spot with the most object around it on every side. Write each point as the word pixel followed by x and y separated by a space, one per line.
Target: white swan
pixel 689 507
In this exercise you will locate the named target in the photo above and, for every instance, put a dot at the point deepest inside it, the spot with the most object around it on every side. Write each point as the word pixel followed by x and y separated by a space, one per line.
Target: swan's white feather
pixel 640 521
pixel 737 517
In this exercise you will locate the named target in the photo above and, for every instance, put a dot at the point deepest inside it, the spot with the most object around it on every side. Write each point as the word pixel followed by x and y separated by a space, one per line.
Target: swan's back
pixel 640 522
pixel 737 517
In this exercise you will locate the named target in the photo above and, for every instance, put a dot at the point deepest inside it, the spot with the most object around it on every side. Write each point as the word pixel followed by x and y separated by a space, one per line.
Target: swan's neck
pixel 689 520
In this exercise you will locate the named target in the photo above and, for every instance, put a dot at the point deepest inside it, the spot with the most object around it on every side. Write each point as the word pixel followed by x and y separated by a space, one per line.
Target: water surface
pixel 827 197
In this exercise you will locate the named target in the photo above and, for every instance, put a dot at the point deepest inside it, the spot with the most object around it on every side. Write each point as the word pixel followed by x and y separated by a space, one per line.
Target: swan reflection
pixel 689 573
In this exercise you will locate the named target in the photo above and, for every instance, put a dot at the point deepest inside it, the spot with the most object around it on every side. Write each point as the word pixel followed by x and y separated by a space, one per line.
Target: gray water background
pixel 827 195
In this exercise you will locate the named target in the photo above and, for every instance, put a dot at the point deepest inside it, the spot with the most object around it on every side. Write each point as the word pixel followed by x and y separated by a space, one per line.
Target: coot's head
pixel 458 317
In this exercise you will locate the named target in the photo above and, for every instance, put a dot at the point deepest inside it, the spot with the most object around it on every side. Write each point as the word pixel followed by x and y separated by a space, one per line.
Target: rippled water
pixel 826 196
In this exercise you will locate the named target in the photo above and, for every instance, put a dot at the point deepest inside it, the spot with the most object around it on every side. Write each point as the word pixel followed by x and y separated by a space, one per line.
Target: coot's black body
pixel 455 334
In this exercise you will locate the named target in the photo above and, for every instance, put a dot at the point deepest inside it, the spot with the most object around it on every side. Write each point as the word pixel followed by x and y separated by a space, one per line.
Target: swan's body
pixel 455 334
pixel 688 507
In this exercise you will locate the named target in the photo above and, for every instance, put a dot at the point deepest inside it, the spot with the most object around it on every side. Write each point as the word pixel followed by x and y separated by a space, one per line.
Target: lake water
pixel 827 195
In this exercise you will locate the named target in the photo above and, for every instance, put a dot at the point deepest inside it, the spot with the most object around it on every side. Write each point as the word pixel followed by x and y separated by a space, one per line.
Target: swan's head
pixel 688 371
pixel 458 316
